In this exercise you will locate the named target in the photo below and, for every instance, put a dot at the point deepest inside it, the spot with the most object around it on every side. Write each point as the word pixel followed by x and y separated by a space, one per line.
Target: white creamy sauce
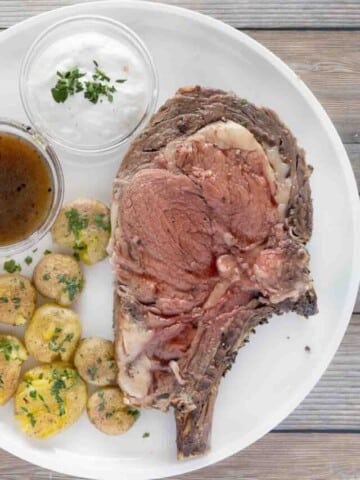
pixel 77 120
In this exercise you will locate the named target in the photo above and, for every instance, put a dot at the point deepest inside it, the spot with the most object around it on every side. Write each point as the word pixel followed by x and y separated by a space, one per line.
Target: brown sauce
pixel 26 189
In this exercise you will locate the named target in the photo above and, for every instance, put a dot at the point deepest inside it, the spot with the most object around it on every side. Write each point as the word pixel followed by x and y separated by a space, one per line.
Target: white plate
pixel 273 373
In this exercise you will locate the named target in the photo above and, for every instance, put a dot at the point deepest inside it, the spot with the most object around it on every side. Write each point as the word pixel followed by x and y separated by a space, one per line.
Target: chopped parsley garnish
pixel 46 277
pixel 43 401
pixel 7 348
pixel 47 252
pixel 76 221
pixel 30 416
pixel 58 385
pixel 99 74
pixel 59 347
pixel 94 90
pixel 72 286
pixel 101 406
pixel 1 381
pixel 102 222
pixel 4 300
pixel 146 435
pixel 17 302
pixel 70 82
pixel 92 370
pixel 28 260
pixel 33 394
pixel 11 266
pixel 79 247
pixel 134 413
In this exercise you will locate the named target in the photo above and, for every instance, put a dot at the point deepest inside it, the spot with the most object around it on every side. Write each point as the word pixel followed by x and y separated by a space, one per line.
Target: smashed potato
pixel 84 226
pixel 12 355
pixel 59 278
pixel 95 361
pixel 17 299
pixel 49 399
pixel 53 333
pixel 108 412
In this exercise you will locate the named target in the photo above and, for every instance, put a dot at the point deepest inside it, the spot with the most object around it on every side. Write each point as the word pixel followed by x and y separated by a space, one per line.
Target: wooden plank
pixel 357 304
pixel 334 402
pixel 239 13
pixel 329 63
pixel 277 456
pixel 290 457
pixel 353 150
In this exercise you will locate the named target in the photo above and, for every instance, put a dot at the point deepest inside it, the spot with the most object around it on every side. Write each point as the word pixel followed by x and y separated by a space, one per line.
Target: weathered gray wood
pixel 291 457
pixel 277 456
pixel 329 63
pixel 353 151
pixel 334 402
pixel 357 304
pixel 239 13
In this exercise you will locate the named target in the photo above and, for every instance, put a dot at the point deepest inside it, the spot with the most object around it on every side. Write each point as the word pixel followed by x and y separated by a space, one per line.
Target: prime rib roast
pixel 211 213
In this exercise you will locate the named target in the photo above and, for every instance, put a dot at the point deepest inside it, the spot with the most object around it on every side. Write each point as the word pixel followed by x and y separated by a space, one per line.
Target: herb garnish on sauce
pixel 69 83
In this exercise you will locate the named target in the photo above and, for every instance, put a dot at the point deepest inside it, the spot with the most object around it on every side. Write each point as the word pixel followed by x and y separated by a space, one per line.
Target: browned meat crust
pixel 186 344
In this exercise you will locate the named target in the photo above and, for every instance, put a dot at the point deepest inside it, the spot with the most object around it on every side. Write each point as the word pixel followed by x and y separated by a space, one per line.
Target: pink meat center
pixel 189 226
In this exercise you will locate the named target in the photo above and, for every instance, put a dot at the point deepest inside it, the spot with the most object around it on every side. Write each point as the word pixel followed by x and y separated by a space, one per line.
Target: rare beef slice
pixel 211 212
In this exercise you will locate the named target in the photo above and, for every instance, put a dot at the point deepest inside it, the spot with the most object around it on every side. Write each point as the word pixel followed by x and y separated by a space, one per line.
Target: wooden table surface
pixel 320 40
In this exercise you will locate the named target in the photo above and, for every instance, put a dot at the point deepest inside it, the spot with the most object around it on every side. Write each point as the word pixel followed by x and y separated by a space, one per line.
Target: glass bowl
pixel 76 42
pixel 50 158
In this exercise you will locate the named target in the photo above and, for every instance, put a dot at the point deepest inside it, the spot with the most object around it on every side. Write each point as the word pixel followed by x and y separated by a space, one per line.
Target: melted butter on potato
pixel 53 333
pixel 59 278
pixel 108 412
pixel 84 226
pixel 12 356
pixel 17 299
pixel 49 399
pixel 95 361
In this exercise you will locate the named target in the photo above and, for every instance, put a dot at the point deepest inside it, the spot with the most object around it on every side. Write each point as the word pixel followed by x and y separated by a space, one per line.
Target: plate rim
pixel 42 458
